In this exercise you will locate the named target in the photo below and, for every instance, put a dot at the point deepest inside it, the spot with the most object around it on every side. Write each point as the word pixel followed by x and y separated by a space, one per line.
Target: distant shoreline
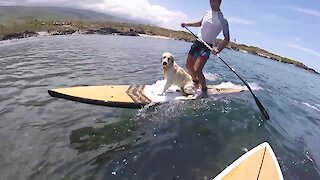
pixel 52 28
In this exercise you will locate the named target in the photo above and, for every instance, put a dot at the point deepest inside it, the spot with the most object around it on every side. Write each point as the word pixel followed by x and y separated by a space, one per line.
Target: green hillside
pixel 20 22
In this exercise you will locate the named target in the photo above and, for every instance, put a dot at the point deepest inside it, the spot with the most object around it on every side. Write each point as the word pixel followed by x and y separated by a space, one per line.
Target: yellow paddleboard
pixel 132 96
pixel 260 163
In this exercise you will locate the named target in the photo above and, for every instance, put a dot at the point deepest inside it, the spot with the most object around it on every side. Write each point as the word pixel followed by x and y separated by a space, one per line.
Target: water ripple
pixel 47 138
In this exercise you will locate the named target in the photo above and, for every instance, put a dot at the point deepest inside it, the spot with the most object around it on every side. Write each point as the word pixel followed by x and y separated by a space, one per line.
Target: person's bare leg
pixel 198 66
pixel 190 67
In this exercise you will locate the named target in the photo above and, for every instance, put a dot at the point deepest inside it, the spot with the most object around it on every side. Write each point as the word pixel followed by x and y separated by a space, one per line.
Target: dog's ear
pixel 172 59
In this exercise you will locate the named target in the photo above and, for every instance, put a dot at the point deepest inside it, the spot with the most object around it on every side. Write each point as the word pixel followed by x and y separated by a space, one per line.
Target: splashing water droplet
pixel 306 154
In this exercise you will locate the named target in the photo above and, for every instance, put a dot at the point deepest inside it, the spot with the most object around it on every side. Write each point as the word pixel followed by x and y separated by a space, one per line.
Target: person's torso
pixel 211 26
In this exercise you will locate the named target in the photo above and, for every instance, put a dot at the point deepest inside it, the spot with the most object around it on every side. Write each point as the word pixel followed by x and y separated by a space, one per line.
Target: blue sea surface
pixel 48 138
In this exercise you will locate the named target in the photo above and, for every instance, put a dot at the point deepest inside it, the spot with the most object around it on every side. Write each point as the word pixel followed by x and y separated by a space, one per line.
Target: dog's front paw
pixel 189 89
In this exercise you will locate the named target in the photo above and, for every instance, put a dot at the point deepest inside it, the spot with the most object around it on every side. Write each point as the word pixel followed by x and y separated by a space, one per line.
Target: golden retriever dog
pixel 176 75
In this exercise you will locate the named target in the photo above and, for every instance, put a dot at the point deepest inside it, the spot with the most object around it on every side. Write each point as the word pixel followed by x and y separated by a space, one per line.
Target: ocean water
pixel 48 138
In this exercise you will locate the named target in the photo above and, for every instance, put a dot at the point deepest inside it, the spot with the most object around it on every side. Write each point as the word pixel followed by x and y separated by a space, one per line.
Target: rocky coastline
pixel 102 31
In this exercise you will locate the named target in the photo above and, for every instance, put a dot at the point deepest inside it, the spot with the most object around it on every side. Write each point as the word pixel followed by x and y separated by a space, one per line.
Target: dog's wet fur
pixel 176 75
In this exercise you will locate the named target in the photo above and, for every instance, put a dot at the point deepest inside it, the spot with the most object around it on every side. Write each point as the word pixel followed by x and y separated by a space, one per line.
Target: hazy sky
pixel 290 28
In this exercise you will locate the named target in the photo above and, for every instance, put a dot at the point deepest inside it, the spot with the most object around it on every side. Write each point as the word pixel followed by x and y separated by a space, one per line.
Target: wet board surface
pixel 260 163
pixel 132 96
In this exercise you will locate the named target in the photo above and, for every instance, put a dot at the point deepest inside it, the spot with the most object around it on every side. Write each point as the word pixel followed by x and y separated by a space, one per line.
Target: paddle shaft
pixel 260 106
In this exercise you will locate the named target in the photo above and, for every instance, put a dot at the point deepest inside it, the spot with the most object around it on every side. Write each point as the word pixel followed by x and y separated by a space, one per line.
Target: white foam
pixel 43 33
pixel 211 76
pixel 316 107
pixel 253 86
pixel 155 36
pixel 160 82
pixel 153 91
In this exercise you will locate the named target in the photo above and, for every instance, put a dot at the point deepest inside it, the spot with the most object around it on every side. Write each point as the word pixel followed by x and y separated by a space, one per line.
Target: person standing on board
pixel 211 24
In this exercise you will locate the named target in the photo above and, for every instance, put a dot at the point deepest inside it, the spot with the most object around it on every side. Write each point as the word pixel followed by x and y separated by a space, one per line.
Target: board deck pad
pixel 260 163
pixel 134 96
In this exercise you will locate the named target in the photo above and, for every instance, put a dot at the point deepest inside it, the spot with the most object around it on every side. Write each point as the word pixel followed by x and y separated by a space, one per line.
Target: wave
pixel 315 107
pixel 211 76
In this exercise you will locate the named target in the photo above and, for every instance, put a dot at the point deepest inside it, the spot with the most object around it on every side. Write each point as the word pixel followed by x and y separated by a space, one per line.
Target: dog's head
pixel 167 60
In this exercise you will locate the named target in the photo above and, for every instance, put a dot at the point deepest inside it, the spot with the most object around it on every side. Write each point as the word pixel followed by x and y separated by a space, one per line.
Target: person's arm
pixel 194 24
pixel 225 41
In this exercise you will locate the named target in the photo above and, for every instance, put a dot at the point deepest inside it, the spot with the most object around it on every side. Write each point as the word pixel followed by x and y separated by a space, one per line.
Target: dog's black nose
pixel 164 63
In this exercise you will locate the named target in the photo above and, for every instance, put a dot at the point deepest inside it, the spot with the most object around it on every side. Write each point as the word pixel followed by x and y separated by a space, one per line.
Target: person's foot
pixel 203 94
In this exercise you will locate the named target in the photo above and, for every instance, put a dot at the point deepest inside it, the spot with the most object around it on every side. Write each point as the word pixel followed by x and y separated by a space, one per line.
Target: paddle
pixel 263 111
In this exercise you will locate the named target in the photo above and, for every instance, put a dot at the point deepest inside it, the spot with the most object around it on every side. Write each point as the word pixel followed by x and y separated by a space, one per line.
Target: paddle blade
pixel 263 111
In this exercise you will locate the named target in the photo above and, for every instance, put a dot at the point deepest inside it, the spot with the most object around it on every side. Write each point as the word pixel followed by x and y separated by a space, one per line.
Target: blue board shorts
pixel 198 49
